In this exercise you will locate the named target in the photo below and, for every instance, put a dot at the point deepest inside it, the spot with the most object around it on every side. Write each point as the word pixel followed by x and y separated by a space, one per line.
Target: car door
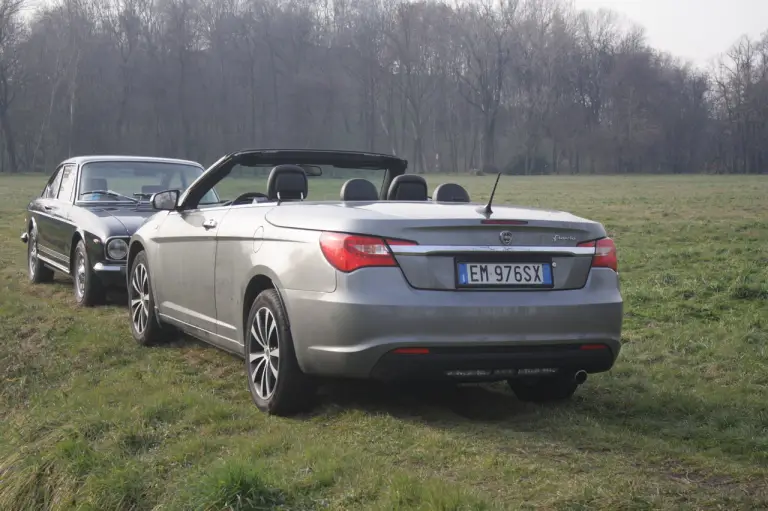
pixel 46 219
pixel 62 228
pixel 240 237
pixel 186 255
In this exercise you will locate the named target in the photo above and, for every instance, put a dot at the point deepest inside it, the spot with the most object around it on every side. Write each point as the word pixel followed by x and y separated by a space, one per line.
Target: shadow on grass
pixel 606 414
pixel 114 296
pixel 595 420
pixel 486 402
pixel 621 414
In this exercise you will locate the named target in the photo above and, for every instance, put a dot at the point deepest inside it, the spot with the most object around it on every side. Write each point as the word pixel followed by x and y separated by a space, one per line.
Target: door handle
pixel 209 223
pixel 47 208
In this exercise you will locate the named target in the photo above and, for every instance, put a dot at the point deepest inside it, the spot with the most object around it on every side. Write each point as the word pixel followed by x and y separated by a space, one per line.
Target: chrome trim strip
pixel 52 217
pixel 108 267
pixel 454 249
pixel 56 266
pixel 52 253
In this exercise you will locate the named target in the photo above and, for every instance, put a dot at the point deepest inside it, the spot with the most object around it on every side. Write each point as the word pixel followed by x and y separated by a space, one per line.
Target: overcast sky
pixel 697 30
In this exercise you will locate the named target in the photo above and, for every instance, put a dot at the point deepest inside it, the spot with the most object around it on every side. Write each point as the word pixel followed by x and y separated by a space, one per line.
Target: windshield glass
pixel 133 181
pixel 325 187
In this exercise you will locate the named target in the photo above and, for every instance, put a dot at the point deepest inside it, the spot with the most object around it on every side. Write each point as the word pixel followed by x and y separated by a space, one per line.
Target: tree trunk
pixel 489 145
pixel 10 143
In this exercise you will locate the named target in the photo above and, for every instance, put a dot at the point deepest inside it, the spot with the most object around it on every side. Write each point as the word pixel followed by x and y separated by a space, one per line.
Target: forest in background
pixel 517 86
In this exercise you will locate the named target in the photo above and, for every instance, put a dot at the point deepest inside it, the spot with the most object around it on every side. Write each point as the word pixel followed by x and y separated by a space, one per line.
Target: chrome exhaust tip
pixel 580 377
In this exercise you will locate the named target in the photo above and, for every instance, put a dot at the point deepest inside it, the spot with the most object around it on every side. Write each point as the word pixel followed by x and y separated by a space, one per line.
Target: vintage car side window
pixel 67 183
pixel 53 187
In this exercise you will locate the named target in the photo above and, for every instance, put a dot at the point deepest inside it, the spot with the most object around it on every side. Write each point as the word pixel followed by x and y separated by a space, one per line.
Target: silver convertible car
pixel 375 278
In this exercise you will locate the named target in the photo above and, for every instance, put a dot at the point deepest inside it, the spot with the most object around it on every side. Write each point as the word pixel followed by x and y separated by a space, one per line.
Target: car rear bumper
pixel 483 363
pixel 353 331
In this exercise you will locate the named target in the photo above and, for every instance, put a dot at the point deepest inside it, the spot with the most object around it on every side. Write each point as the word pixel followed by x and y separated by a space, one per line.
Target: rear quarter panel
pixel 248 247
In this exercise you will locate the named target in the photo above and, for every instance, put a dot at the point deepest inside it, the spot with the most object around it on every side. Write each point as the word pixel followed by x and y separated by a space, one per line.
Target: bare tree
pixel 488 48
pixel 11 71
pixel 524 86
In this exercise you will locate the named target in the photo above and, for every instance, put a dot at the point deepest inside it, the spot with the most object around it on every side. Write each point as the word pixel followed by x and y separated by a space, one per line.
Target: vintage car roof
pixel 79 160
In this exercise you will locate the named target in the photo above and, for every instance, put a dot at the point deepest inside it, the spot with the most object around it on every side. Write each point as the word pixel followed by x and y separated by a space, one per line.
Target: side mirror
pixel 165 201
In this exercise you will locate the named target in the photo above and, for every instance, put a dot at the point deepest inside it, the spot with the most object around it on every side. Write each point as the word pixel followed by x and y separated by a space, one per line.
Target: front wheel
pixel 145 327
pixel 540 390
pixel 88 288
pixel 277 384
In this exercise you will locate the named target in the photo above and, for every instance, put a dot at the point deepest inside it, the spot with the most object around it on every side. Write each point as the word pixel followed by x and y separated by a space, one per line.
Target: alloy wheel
pixel 140 298
pixel 80 275
pixel 264 353
pixel 32 252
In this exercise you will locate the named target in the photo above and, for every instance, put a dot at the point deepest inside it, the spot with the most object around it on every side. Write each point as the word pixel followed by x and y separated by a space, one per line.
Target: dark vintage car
pixel 82 221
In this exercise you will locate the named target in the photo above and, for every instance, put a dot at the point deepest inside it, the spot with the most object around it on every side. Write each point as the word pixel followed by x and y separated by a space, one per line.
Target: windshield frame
pixel 134 200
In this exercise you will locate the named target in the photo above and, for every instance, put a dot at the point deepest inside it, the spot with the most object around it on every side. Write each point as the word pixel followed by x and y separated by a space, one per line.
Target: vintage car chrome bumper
pixel 111 267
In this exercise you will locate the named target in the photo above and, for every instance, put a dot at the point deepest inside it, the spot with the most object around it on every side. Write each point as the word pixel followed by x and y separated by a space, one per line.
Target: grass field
pixel 92 421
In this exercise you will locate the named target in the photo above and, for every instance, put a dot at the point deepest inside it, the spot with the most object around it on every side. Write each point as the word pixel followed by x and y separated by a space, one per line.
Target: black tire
pixel 555 388
pixel 145 325
pixel 291 390
pixel 86 284
pixel 36 270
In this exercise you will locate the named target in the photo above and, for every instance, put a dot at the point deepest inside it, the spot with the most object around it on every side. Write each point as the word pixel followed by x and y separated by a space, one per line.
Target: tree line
pixel 518 86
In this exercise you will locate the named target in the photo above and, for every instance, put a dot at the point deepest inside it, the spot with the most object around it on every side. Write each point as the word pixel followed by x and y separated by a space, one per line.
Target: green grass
pixel 92 421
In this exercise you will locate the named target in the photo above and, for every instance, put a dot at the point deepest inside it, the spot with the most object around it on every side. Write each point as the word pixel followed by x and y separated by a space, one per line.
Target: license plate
pixel 505 274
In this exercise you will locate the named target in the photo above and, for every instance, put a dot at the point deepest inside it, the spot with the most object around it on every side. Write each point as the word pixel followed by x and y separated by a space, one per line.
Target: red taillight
pixel 605 253
pixel 590 347
pixel 349 252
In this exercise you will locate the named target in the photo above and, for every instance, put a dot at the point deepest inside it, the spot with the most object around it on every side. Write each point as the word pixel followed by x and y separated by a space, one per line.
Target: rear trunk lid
pixel 457 248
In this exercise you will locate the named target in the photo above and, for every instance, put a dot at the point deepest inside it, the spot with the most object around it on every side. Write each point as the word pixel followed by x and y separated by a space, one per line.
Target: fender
pixel 129 264
pixel 29 219
pixel 266 272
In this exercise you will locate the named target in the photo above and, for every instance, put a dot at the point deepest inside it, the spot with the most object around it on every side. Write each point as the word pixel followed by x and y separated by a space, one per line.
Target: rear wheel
pixel 37 271
pixel 145 326
pixel 88 288
pixel 553 388
pixel 277 384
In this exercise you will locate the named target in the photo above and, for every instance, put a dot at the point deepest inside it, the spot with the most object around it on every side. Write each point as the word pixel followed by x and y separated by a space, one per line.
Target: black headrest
pixel 408 187
pixel 359 189
pixel 450 192
pixel 289 181
pixel 95 183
